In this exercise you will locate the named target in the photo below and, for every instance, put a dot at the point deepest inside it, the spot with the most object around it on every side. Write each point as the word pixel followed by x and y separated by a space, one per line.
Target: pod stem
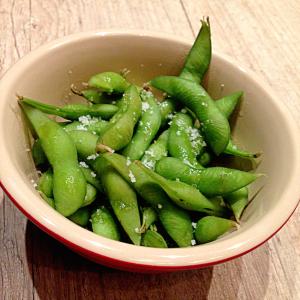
pixel 75 91
pixel 104 148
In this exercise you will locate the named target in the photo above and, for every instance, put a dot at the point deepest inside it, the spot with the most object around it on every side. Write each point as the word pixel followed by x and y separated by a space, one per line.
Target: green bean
pixel 167 107
pixel 87 123
pixel 198 59
pixel 211 181
pixel 237 201
pixel 176 222
pixel 38 154
pixel 119 132
pixel 179 143
pixel 185 195
pixel 205 159
pixel 103 224
pixel 228 103
pixel 81 217
pixel 122 199
pixel 45 183
pixel 215 126
pixel 69 184
pixel 156 151
pixel 90 176
pixel 109 82
pixel 74 111
pixel 149 217
pixel 153 239
pixel 210 228
pixel 147 128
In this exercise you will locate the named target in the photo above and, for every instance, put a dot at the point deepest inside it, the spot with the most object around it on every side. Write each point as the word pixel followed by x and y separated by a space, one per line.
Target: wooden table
pixel 261 35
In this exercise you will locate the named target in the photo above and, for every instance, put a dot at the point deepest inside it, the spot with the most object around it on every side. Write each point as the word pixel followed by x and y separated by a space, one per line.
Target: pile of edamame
pixel 142 170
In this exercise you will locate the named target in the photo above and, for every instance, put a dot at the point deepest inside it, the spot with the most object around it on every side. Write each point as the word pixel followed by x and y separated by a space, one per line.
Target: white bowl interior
pixel 262 125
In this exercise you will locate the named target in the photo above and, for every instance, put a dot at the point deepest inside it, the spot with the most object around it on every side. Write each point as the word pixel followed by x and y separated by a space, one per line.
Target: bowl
pixel 263 123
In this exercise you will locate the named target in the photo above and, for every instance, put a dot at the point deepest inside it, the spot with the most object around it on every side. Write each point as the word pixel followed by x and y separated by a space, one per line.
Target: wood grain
pixel 261 35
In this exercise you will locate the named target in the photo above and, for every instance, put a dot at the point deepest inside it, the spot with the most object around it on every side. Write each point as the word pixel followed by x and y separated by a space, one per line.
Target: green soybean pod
pixel 120 129
pixel 90 196
pixel 237 201
pixel 176 221
pixel 109 82
pixel 45 183
pixel 122 199
pixel 103 224
pixel 147 128
pixel 81 217
pixel 85 143
pixel 156 151
pixel 185 195
pixel 38 153
pixel 166 107
pixel 93 125
pixel 50 201
pixel 74 111
pixel 153 239
pixel 90 176
pixel 179 143
pixel 205 159
pixel 149 217
pixel 215 126
pixel 210 228
pixel 198 59
pixel 234 150
pixel 210 181
pixel 228 103
pixel 69 184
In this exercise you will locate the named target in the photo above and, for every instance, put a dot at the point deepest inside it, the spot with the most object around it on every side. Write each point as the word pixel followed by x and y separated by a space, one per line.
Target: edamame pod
pixel 234 150
pixel 215 126
pixel 69 184
pixel 210 228
pixel 93 125
pixel 124 203
pixel 179 143
pixel 103 224
pixel 120 129
pixel 153 239
pixel 156 151
pixel 45 183
pixel 90 196
pixel 85 143
pixel 185 195
pixel 81 217
pixel 109 82
pixel 228 103
pixel 198 59
pixel 166 107
pixel 38 153
pixel 74 111
pixel 90 176
pixel 149 217
pixel 237 201
pixel 176 221
pixel 211 181
pixel 147 128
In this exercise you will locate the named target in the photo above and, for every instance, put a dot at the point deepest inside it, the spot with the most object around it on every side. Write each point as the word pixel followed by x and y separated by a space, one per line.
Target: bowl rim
pixel 128 256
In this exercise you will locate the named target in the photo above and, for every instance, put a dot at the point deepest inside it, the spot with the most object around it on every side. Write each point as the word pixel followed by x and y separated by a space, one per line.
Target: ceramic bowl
pixel 263 123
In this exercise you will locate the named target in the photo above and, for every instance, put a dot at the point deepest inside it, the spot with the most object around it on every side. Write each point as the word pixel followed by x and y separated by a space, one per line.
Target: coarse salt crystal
pixel 93 156
pixel 193 242
pixel 132 177
pixel 159 206
pixel 145 106
pixel 93 174
pixel 83 164
pixel 194 224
